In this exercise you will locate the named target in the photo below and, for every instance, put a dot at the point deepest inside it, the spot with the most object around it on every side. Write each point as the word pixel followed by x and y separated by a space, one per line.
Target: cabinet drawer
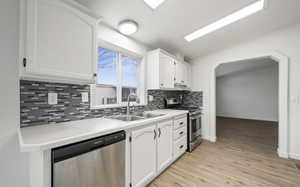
pixel 178 123
pixel 180 146
pixel 179 133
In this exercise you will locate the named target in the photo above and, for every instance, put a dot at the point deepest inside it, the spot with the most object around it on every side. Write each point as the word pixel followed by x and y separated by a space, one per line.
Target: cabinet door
pixel 184 73
pixel 166 71
pixel 178 72
pixel 143 156
pixel 164 145
pixel 189 75
pixel 60 41
pixel 181 73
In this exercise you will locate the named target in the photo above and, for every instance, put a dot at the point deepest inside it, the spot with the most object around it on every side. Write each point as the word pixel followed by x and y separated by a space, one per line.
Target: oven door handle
pixel 196 117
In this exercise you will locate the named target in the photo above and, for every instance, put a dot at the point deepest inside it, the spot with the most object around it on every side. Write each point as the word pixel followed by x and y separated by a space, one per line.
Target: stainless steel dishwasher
pixel 98 162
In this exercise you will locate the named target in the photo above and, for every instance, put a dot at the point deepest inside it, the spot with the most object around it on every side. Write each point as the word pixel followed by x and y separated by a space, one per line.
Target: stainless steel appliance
pixel 194 129
pixel 194 122
pixel 98 162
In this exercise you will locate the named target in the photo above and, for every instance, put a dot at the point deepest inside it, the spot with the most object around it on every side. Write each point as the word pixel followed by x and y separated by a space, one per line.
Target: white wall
pixel 13 164
pixel 250 94
pixel 285 41
pixel 114 40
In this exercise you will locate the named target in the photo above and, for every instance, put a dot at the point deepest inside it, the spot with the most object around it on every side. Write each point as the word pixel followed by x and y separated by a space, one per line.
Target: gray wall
pixel 249 94
pixel 13 164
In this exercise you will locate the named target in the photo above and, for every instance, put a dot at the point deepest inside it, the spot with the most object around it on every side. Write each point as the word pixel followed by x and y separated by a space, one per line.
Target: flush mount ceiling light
pixel 154 3
pixel 128 27
pixel 240 14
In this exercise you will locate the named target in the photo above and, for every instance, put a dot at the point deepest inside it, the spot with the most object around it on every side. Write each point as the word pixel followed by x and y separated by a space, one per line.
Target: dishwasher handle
pixel 69 151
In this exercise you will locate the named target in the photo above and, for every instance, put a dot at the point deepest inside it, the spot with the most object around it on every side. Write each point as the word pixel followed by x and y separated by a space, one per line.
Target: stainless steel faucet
pixel 128 102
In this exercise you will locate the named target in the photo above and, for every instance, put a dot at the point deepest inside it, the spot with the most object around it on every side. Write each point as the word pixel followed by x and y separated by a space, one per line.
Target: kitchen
pixel 90 103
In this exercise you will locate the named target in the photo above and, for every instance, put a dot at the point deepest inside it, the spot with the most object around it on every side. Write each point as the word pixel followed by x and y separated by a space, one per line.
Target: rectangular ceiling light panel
pixel 154 3
pixel 240 14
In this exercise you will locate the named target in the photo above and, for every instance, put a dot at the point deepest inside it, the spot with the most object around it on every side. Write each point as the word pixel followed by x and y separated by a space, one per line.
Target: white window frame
pixel 141 92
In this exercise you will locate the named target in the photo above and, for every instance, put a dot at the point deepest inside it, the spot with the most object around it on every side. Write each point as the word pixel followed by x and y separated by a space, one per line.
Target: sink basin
pixel 147 115
pixel 135 116
pixel 127 117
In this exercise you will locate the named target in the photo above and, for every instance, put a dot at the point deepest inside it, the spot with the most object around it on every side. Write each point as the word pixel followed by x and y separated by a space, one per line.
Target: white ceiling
pixel 243 66
pixel 166 26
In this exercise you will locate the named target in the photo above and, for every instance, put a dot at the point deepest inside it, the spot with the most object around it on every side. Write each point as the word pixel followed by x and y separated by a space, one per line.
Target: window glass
pixel 129 76
pixel 117 77
pixel 107 67
pixel 106 77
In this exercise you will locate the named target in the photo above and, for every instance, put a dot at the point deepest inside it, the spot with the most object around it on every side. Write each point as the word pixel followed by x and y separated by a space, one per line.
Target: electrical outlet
pixel 85 97
pixel 151 98
pixel 52 98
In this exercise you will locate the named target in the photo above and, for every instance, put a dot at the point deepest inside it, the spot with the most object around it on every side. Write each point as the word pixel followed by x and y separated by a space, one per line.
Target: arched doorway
pixel 283 99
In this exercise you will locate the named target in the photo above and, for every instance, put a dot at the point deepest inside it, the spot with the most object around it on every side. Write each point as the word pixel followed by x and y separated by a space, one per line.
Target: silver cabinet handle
pixel 159 132
pixel 154 134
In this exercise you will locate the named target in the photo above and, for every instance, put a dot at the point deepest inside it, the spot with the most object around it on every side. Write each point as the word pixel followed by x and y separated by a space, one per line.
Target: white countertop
pixel 45 137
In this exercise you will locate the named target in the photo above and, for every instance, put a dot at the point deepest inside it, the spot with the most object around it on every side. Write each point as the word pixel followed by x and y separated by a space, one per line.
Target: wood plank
pixel 244 155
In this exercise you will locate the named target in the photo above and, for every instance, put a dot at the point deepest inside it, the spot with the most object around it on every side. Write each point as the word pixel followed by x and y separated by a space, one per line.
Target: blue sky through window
pixel 107 67
pixel 130 72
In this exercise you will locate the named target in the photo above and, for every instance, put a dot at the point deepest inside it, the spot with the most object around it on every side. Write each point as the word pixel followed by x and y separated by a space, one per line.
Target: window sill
pixel 115 106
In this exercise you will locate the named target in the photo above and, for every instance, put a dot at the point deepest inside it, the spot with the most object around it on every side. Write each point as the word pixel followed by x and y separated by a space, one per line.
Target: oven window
pixel 195 128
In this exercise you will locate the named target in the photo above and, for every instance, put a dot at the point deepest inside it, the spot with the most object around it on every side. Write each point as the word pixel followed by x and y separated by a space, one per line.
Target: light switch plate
pixel 52 98
pixel 85 97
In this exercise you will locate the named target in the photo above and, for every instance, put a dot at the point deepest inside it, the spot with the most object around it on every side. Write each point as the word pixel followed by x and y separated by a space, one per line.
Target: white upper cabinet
pixel 60 42
pixel 160 70
pixel 165 72
pixel 189 75
pixel 181 75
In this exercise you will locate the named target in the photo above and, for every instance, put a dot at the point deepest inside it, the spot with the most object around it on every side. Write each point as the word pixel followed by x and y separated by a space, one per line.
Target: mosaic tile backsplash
pixel 35 109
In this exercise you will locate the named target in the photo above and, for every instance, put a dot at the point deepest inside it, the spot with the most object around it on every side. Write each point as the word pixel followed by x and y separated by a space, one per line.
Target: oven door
pixel 195 127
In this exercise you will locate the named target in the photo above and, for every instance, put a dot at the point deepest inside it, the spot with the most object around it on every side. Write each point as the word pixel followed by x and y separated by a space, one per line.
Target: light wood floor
pixel 244 155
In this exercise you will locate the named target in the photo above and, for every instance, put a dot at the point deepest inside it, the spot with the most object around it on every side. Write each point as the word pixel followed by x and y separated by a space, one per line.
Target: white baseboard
pixel 282 154
pixel 246 118
pixel 206 138
pixel 294 156
pixel 209 138
pixel 213 139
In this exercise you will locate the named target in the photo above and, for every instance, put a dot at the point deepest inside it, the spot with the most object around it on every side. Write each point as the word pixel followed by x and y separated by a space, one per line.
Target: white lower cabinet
pixel 143 155
pixel 153 149
pixel 164 145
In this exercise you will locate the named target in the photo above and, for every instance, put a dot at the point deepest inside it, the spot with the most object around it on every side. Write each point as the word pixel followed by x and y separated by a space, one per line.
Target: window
pixel 107 76
pixel 129 77
pixel 118 75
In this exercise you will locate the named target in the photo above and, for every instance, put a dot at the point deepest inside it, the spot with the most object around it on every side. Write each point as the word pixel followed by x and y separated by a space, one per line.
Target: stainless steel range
pixel 194 122
pixel 194 128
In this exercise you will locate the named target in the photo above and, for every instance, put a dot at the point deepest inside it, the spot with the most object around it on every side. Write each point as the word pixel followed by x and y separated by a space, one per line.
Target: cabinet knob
pixel 181 147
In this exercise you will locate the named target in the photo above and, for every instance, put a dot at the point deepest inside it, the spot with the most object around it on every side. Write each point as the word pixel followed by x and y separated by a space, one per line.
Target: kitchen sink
pixel 147 115
pixel 126 117
pixel 135 116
